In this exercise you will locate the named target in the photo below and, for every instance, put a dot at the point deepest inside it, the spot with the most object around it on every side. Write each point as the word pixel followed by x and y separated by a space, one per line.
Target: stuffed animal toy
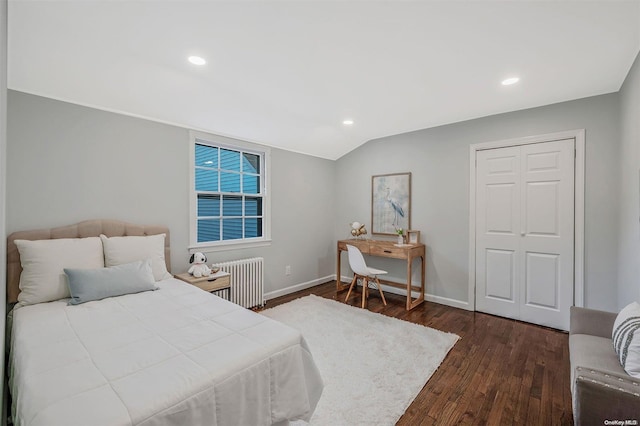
pixel 199 267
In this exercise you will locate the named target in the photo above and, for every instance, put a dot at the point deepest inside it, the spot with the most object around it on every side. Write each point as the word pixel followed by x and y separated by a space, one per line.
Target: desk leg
pixel 409 261
pixel 413 303
pixel 422 276
pixel 339 285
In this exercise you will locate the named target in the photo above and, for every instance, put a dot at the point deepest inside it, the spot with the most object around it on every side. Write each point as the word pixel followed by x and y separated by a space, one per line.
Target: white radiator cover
pixel 247 280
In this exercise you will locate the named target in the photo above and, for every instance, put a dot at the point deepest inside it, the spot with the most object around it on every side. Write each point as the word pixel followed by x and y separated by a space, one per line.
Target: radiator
pixel 247 281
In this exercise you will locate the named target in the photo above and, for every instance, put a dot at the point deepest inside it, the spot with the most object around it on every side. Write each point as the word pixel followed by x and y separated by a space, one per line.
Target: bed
pixel 173 356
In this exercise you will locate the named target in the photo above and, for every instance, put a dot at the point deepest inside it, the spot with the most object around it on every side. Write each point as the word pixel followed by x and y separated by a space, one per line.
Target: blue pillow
pixel 86 285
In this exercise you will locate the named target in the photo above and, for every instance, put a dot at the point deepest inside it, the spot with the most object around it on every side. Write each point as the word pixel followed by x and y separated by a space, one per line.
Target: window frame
pixel 265 192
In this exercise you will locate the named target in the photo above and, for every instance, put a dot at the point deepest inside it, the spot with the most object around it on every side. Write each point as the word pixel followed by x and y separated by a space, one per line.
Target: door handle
pixel 522 234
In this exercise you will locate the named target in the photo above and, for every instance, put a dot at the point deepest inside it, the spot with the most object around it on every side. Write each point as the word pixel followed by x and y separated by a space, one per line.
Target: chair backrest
pixel 356 261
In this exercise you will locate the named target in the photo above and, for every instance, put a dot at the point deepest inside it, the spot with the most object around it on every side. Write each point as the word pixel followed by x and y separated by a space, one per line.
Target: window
pixel 228 197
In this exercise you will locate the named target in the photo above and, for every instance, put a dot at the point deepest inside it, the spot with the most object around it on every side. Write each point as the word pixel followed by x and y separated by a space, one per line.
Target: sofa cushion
pixel 626 338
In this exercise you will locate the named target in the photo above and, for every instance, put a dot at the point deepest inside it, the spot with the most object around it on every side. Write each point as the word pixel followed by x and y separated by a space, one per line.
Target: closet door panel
pixel 498 231
pixel 547 243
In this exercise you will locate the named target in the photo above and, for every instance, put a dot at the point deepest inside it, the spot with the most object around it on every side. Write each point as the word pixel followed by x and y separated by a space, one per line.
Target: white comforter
pixel 175 356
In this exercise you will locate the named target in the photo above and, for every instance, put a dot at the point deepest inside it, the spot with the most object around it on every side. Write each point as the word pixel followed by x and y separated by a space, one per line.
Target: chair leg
pixel 381 293
pixel 365 285
pixel 353 281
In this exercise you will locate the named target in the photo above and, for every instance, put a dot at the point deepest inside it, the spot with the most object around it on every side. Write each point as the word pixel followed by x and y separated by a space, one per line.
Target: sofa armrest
pixel 603 396
pixel 592 322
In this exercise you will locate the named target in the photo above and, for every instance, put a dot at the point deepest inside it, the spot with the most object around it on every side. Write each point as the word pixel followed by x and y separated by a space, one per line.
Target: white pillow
pixel 626 338
pixel 121 250
pixel 43 262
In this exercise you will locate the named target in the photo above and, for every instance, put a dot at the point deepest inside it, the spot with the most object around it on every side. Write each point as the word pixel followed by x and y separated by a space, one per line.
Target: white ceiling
pixel 287 73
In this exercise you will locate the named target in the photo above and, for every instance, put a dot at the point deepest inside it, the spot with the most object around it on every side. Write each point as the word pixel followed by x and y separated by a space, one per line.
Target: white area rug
pixel 373 366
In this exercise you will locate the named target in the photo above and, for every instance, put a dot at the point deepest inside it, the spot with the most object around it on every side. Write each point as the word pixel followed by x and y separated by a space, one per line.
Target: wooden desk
pixel 407 252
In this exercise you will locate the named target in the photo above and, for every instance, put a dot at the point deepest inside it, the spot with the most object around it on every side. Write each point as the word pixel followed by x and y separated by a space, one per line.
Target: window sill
pixel 227 246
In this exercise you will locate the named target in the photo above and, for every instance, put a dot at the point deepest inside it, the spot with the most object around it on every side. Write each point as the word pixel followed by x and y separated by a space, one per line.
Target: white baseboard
pixel 429 297
pixel 455 303
pixel 297 287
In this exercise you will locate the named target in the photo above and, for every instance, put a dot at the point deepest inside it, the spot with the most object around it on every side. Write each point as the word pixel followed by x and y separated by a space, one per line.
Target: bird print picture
pixel 390 203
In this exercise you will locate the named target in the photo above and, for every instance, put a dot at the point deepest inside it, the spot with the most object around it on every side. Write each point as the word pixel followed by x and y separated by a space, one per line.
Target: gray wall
pixel 629 249
pixel 438 159
pixel 3 145
pixel 70 163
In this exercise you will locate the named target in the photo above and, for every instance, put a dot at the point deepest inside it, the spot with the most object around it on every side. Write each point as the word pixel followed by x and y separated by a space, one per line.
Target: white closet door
pixel 525 232
pixel 498 231
pixel 547 233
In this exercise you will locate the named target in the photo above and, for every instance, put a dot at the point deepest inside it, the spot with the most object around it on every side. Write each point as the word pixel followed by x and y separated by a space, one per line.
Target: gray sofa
pixel 600 387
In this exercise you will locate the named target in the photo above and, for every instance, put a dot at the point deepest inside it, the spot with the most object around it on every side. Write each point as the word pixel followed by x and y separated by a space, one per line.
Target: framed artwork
pixel 390 203
pixel 413 237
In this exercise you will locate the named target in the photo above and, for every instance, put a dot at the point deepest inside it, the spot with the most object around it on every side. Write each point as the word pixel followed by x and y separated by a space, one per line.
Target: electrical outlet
pixel 287 270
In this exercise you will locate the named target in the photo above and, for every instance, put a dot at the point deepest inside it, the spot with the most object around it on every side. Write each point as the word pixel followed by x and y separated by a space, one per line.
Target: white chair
pixel 361 270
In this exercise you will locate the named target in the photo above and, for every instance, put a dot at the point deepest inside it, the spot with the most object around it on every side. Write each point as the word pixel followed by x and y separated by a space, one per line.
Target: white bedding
pixel 175 356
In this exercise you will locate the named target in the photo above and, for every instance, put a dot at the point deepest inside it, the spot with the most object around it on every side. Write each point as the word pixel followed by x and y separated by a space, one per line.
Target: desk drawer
pixel 388 251
pixel 363 246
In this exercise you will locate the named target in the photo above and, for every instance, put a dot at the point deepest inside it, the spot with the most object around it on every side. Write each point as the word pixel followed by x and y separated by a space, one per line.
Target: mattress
pixel 174 356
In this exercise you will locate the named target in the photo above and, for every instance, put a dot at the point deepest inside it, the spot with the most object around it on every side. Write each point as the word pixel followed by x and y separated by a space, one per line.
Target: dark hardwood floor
pixel 500 372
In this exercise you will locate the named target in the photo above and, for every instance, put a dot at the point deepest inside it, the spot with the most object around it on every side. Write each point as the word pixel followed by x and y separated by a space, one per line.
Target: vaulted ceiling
pixel 288 73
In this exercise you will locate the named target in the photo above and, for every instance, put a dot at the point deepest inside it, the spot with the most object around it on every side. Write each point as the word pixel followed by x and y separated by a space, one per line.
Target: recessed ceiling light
pixel 197 60
pixel 510 81
pixel 347 122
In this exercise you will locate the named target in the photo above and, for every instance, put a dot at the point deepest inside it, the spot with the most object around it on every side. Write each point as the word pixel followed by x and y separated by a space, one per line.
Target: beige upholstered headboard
pixel 88 228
